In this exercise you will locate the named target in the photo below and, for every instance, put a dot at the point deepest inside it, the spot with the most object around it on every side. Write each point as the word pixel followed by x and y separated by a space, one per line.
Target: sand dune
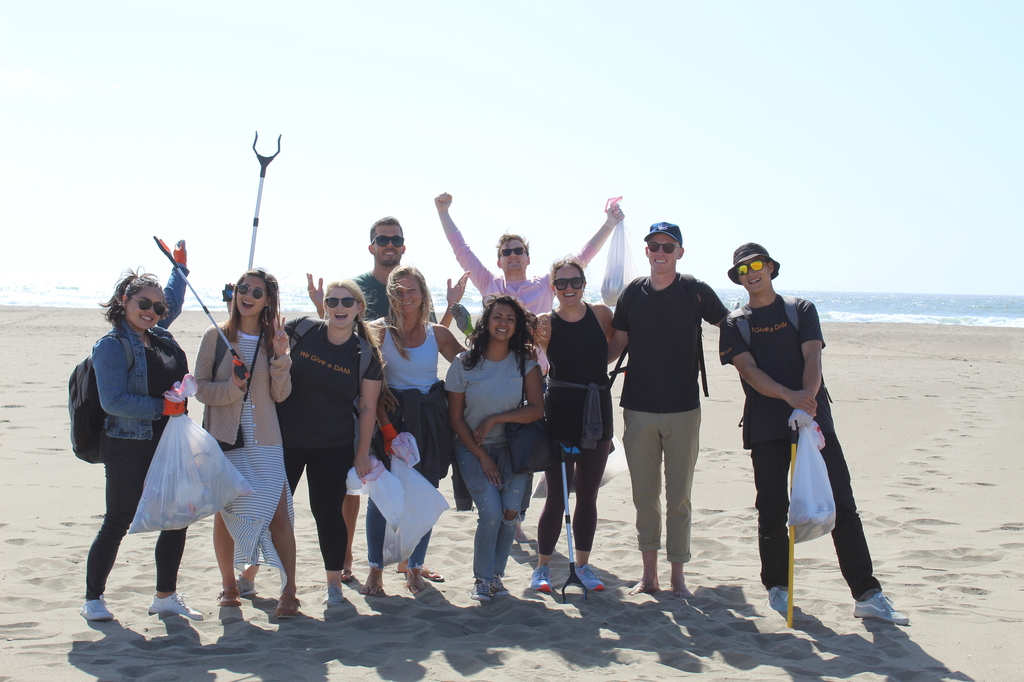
pixel 930 419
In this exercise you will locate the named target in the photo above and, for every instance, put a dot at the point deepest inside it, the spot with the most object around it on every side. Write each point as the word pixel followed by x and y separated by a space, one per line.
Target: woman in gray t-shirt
pixel 485 388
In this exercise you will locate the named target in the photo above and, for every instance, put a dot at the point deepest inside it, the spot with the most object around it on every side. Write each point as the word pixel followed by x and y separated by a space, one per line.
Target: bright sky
pixel 870 146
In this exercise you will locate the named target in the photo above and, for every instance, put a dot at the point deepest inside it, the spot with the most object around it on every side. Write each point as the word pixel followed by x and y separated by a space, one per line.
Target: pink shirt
pixel 535 292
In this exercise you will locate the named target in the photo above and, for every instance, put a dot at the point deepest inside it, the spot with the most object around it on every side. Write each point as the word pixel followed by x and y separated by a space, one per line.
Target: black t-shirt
pixel 663 328
pixel 777 349
pixel 325 381
pixel 166 363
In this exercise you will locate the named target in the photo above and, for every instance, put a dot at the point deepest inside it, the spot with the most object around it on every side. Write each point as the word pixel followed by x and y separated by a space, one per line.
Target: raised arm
pixel 316 294
pixel 482 277
pixel 614 216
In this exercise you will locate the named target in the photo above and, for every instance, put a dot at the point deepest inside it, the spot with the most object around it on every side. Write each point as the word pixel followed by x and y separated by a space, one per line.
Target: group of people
pixel 325 394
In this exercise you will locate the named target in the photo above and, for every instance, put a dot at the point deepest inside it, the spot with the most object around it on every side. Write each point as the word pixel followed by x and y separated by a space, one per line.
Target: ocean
pixel 982 311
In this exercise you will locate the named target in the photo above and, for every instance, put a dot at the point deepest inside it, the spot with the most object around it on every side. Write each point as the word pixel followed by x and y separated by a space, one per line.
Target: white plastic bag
pixel 812 509
pixel 406 500
pixel 620 269
pixel 188 479
pixel 422 504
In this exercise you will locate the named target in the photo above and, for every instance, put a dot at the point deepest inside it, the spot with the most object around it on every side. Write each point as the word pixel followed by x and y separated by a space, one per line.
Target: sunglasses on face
pixel 243 289
pixel 346 302
pixel 518 250
pixel 574 282
pixel 661 246
pixel 381 240
pixel 145 304
pixel 754 266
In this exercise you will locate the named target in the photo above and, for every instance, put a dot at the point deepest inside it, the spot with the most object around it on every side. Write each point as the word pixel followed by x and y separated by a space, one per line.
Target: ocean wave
pixel 905 318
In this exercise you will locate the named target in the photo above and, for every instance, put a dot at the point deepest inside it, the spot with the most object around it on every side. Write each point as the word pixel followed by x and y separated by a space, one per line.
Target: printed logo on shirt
pixel 324 363
pixel 773 328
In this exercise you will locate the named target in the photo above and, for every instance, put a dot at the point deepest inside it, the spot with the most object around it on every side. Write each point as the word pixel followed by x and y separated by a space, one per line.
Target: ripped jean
pixel 494 533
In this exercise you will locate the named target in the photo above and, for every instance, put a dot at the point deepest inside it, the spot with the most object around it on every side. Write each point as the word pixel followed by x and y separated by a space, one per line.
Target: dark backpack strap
pixel 302 327
pixel 218 354
pixel 129 355
pixel 791 312
pixel 739 317
pixel 628 296
pixel 695 301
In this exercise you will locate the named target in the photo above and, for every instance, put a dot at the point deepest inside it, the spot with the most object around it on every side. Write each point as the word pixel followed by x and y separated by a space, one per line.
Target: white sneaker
pixel 541 580
pixel 481 591
pixel 498 588
pixel 246 588
pixel 173 604
pixel 589 578
pixel 778 599
pixel 333 595
pixel 881 607
pixel 96 610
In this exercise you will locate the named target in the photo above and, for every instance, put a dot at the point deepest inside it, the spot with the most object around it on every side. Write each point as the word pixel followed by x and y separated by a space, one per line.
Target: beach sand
pixel 930 419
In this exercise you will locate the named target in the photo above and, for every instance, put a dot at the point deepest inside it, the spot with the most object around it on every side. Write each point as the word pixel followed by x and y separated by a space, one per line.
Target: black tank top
pixel 578 354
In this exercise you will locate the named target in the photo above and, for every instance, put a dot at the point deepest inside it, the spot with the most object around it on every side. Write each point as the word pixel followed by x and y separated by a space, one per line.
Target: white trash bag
pixel 620 269
pixel 407 501
pixel 812 509
pixel 189 477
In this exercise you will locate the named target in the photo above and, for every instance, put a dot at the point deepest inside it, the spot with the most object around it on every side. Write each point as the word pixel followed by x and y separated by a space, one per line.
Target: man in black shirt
pixel 660 318
pixel 775 343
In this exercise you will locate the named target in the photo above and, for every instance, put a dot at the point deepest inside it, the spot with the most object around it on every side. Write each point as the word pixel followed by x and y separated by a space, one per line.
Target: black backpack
pixel 87 415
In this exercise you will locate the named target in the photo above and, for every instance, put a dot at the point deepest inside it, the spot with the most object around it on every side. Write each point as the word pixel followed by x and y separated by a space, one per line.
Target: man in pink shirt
pixel 513 258
pixel 535 292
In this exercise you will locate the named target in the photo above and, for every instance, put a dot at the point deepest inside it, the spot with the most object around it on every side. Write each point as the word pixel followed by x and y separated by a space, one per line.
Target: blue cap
pixel 666 228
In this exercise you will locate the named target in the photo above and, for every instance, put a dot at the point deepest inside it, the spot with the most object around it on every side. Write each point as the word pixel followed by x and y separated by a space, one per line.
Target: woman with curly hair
pixel 486 385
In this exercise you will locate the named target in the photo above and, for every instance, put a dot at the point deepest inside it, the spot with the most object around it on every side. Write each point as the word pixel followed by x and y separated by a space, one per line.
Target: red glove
pixel 180 256
pixel 172 408
pixel 389 433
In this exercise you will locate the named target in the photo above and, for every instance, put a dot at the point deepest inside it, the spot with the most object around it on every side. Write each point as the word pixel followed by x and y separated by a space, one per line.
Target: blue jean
pixel 376 526
pixel 494 533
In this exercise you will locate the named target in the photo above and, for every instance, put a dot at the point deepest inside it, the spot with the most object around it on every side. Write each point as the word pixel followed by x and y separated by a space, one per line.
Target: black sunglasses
pixel 661 246
pixel 145 304
pixel 333 302
pixel 518 250
pixel 243 289
pixel 574 282
pixel 381 240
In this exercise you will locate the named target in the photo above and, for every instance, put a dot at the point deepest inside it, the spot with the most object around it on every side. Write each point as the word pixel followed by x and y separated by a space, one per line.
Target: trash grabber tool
pixel 240 370
pixel 573 578
pixel 264 162
pixel 792 529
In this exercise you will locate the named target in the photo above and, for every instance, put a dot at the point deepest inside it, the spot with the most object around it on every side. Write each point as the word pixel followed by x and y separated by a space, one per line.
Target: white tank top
pixel 419 371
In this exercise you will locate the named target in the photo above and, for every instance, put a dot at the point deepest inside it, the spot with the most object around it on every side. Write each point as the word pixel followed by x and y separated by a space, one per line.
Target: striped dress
pixel 248 517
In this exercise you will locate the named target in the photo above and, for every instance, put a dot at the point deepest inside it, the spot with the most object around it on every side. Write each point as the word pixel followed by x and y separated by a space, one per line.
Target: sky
pixel 870 146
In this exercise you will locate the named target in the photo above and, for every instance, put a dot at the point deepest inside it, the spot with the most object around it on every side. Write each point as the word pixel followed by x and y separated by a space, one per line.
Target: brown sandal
pixel 287 606
pixel 229 597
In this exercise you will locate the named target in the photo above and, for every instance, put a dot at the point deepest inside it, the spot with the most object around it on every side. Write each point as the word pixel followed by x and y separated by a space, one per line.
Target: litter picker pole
pixel 573 578
pixel 264 162
pixel 792 529
pixel 240 370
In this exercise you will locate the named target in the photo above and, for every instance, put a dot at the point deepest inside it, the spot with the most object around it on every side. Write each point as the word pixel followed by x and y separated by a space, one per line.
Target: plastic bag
pixel 812 509
pixel 620 269
pixel 188 479
pixel 409 503
pixel 422 505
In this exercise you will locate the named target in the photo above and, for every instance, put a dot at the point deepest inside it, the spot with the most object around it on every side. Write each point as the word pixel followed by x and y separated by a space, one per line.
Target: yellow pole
pixel 792 533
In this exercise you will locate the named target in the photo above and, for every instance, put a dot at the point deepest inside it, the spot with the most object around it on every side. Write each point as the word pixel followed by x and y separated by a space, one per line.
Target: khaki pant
pixel 651 439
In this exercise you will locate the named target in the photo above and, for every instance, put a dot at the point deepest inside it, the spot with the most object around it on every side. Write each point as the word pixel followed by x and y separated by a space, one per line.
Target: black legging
pixel 590 467
pixel 327 474
pixel 126 462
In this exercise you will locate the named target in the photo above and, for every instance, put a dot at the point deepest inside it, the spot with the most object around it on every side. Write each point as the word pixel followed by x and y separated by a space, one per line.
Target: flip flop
pixel 346 575
pixel 427 574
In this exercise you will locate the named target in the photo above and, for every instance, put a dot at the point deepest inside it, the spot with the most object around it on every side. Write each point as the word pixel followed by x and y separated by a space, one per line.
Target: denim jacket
pixel 123 393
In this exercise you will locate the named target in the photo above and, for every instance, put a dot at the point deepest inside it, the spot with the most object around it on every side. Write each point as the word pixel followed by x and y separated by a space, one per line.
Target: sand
pixel 929 417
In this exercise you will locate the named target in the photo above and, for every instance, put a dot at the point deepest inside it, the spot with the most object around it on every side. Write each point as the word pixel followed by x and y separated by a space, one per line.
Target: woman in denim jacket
pixel 131 393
